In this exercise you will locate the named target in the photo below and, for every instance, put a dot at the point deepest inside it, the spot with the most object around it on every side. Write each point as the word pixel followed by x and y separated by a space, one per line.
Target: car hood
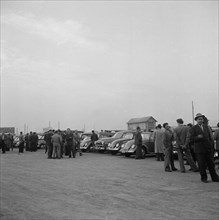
pixel 106 140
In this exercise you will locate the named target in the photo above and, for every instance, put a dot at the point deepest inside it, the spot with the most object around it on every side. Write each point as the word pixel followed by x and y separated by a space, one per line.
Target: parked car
pixel 41 142
pixel 116 145
pixel 129 148
pixel 86 144
pixel 16 141
pixel 102 144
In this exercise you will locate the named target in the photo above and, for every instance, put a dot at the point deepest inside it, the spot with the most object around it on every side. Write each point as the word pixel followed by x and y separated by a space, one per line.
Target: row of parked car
pixel 121 142
pixel 41 141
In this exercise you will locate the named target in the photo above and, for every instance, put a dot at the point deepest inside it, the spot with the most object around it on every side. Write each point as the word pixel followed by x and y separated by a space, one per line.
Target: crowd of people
pixel 194 143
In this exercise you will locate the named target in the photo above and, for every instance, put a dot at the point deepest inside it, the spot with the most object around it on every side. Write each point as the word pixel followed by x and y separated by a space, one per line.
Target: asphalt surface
pixel 101 186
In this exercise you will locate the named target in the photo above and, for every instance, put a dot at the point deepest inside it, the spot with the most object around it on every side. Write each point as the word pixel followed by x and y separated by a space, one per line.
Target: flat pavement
pixel 101 186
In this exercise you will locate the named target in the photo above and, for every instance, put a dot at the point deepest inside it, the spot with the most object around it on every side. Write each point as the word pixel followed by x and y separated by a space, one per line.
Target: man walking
pixel 201 136
pixel 182 146
pixel 168 139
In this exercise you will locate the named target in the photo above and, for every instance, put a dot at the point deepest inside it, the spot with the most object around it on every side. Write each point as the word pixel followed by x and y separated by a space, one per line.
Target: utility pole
pixel 192 113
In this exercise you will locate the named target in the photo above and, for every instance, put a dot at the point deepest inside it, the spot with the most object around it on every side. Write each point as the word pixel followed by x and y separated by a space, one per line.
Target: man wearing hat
pixel 182 143
pixel 201 137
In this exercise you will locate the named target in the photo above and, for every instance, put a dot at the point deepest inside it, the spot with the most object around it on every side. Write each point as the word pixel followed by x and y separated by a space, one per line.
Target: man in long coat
pixel 201 136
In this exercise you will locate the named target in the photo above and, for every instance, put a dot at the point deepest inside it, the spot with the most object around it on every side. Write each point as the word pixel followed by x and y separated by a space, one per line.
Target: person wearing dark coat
pixel 49 145
pixel 31 140
pixel 70 146
pixel 2 143
pixel 21 143
pixel 138 144
pixel 27 142
pixel 201 136
pixel 35 141
pixel 93 137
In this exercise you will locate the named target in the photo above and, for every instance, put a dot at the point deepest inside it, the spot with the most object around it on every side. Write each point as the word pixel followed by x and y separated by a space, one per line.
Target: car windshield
pixel 145 136
pixel 85 135
pixel 128 135
pixel 40 136
pixel 118 135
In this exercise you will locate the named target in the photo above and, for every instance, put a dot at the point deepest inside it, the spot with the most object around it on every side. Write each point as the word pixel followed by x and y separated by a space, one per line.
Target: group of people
pixel 60 143
pixel 194 143
pixel 28 141
pixel 6 142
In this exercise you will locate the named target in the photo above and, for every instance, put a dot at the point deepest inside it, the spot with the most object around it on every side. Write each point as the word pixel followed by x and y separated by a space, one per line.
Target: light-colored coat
pixel 158 143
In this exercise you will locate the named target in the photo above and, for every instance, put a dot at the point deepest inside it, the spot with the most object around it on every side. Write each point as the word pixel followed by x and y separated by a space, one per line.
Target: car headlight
pixel 133 146
pixel 109 145
pixel 122 145
pixel 117 145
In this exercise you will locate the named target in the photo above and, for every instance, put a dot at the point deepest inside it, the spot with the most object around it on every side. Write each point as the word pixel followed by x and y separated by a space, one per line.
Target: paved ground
pixel 101 186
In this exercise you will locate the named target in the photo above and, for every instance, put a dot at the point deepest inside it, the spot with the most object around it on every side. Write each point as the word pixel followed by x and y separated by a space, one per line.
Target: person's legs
pixel 190 160
pixel 211 167
pixel 202 166
pixel 181 160
pixel 167 160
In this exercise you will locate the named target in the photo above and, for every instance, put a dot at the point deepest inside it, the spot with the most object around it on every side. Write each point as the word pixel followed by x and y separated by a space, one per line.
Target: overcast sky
pixel 99 64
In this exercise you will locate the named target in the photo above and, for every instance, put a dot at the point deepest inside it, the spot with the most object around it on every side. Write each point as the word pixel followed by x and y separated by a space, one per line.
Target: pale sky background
pixel 99 64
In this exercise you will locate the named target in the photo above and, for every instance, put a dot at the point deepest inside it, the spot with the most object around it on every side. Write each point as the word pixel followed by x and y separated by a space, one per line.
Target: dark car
pixel 86 143
pixel 116 145
pixel 129 148
pixel 102 144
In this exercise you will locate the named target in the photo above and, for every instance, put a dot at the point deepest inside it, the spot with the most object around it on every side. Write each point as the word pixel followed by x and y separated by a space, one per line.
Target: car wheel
pixel 113 153
pixel 127 155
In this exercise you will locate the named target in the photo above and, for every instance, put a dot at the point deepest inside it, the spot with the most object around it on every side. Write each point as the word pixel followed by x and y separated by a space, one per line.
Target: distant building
pixel 146 123
pixel 7 130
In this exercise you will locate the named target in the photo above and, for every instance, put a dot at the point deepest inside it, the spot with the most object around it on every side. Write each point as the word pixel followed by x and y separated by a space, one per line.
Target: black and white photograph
pixel 109 110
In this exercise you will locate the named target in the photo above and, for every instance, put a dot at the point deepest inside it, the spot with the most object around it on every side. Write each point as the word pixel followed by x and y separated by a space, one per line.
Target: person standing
pixel 77 142
pixel 49 145
pixel 182 146
pixel 138 144
pixel 93 137
pixel 158 144
pixel 216 138
pixel 56 140
pixel 27 142
pixel 2 143
pixel 31 140
pixel 201 136
pixel 167 140
pixel 35 141
pixel 69 143
pixel 21 143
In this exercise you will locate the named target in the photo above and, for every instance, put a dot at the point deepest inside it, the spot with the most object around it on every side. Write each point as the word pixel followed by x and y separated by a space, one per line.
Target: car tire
pixel 113 153
pixel 127 155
